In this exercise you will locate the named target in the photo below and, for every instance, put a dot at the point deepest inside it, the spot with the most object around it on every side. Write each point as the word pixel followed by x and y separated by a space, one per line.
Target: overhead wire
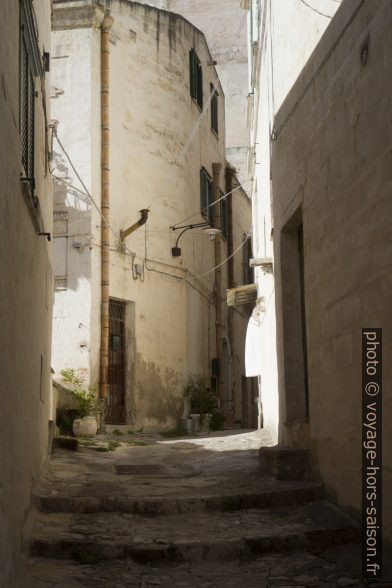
pixel 316 9
pixel 211 204
pixel 227 258
pixel 88 192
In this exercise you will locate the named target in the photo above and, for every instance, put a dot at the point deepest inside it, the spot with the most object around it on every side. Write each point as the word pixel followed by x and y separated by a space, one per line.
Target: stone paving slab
pixel 334 568
pixel 188 537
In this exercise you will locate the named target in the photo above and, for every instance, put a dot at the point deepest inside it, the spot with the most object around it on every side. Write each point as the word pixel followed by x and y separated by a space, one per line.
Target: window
pixel 196 78
pixel 206 196
pixel 60 249
pixel 224 210
pixel 214 109
pixel 247 255
pixel 30 66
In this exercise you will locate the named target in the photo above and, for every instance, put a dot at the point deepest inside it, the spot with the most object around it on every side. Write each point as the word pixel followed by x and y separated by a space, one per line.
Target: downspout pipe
pixel 216 169
pixel 104 358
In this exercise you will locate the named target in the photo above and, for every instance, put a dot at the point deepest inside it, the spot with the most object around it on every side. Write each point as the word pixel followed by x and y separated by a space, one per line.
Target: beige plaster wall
pixel 332 160
pixel 151 118
pixel 26 300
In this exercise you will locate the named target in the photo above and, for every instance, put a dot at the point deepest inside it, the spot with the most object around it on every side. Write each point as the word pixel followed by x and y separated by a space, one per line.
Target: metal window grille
pixel 214 110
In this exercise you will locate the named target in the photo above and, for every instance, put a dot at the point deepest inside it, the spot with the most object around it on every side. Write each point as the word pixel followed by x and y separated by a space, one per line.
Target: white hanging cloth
pixel 253 343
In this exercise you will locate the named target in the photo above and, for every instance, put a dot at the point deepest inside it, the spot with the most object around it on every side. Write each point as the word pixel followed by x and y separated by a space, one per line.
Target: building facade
pixel 278 50
pixel 226 34
pixel 25 261
pixel 167 165
pixel 321 200
pixel 332 205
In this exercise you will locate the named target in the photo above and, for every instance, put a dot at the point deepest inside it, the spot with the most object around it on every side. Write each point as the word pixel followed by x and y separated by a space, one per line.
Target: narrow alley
pixel 195 293
pixel 184 512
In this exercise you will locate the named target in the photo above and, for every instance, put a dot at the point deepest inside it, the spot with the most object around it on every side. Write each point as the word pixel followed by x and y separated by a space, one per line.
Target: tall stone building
pixel 167 165
pixel 25 261
pixel 224 25
pixel 279 50
pixel 322 208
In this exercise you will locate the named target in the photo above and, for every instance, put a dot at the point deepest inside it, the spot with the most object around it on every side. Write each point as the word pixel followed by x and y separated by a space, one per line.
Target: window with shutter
pixel 206 196
pixel 30 66
pixel 214 109
pixel 224 217
pixel 195 78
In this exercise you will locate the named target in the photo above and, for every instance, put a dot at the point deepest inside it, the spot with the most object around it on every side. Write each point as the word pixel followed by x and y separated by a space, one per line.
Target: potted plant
pixel 202 401
pixel 86 424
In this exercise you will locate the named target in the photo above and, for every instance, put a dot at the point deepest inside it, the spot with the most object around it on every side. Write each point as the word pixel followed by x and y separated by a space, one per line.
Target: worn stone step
pixel 331 568
pixel 92 537
pixel 286 493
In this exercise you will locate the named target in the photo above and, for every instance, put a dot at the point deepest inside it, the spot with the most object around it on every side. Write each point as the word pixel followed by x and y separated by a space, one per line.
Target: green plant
pixel 65 418
pixel 117 432
pixel 130 432
pixel 201 397
pixel 217 421
pixel 112 445
pixel 85 398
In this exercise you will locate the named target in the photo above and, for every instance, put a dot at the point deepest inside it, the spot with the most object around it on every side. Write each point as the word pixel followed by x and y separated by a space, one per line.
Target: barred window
pixel 196 78
pixel 206 196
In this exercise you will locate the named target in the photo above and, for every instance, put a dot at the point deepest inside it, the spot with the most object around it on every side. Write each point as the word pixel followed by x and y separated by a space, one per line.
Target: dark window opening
pixel 196 78
pixel 206 196
pixel 248 254
pixel 214 109
pixel 27 98
pixel 224 216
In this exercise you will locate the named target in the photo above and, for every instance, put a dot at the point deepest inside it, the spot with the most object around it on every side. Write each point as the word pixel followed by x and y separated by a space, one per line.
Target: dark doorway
pixel 294 320
pixel 115 406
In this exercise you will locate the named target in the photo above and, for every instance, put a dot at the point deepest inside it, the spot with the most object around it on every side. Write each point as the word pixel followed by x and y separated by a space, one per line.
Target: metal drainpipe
pixel 216 169
pixel 105 31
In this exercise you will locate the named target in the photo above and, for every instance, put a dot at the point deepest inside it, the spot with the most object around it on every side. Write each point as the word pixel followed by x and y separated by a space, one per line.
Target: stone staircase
pixel 80 537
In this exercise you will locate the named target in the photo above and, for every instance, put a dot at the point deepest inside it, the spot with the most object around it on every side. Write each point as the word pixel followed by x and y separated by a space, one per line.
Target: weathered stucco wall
pixel 151 118
pixel 26 299
pixel 279 51
pixel 225 31
pixel 332 172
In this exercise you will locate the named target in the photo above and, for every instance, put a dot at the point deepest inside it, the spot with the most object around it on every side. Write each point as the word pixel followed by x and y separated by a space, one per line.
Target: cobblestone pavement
pixel 192 512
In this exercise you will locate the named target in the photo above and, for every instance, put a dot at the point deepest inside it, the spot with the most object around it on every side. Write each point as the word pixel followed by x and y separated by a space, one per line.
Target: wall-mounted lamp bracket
pixel 142 220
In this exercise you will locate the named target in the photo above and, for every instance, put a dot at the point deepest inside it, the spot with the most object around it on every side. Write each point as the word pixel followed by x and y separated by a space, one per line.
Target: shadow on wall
pixel 72 235
pixel 159 394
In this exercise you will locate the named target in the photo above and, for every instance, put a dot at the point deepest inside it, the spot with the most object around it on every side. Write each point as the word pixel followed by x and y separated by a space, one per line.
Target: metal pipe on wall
pixel 104 358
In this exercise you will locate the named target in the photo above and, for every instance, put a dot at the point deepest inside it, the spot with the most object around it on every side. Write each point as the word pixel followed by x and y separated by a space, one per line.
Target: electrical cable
pixel 88 193
pixel 315 9
pixel 211 204
pixel 319 69
pixel 227 258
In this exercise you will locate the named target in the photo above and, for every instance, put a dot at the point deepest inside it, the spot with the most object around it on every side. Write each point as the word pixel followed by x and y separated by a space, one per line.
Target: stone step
pixel 90 538
pixel 285 493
